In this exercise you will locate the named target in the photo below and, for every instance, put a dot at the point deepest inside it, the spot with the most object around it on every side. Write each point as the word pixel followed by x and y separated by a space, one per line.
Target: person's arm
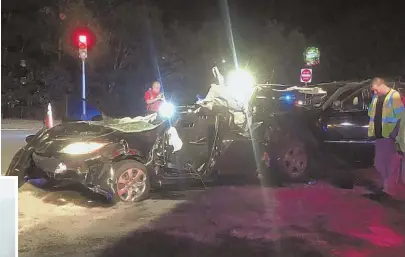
pixel 149 99
pixel 397 105
pixel 400 139
pixel 370 107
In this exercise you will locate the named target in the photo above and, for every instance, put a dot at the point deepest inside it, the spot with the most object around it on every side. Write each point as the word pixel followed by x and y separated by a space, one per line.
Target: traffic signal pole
pixel 84 88
pixel 83 56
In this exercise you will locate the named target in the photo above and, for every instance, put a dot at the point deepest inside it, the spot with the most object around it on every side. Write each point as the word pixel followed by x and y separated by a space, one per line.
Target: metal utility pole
pixel 83 56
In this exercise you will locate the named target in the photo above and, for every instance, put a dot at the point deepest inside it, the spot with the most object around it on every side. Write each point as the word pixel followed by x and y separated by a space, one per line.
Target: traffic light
pixel 84 39
pixel 82 46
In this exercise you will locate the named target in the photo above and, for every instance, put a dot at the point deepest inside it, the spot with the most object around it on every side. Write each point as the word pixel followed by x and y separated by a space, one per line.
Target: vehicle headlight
pixel 82 148
pixel 241 85
pixel 167 110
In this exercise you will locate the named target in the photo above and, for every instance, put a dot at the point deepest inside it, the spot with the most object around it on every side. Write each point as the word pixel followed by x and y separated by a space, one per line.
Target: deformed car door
pixel 193 130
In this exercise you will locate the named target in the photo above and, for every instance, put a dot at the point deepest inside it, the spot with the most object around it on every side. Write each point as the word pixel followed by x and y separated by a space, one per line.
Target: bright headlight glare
pixel 240 79
pixel 166 110
pixel 241 85
pixel 82 148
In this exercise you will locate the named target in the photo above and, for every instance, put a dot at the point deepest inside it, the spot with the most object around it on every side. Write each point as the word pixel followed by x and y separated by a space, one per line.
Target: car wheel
pixel 131 182
pixel 293 160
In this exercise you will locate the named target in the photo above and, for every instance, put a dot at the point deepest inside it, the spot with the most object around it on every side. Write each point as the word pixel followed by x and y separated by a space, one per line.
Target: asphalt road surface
pixel 11 141
pixel 299 220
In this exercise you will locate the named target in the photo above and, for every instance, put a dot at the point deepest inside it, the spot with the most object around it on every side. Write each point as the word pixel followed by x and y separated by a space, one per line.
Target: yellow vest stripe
pixel 391 110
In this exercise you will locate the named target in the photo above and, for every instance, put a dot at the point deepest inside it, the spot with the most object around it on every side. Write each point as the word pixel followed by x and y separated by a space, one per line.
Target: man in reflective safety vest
pixel 384 112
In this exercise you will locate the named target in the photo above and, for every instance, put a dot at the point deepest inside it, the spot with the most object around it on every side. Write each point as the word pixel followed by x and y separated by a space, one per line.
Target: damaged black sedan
pixel 122 159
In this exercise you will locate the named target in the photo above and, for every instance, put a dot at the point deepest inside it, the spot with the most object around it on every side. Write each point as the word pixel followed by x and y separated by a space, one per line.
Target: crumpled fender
pixel 104 182
pixel 20 164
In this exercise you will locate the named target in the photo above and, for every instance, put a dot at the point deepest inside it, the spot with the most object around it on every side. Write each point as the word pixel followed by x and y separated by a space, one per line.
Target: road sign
pixel 306 75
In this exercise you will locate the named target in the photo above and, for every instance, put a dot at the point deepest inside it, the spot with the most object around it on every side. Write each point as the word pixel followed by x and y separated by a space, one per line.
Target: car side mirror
pixel 29 138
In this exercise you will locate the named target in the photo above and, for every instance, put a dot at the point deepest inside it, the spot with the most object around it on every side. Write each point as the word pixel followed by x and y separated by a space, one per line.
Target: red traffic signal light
pixel 82 42
pixel 83 39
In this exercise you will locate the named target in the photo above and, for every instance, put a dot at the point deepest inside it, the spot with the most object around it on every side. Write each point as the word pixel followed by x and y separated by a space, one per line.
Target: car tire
pixel 139 191
pixel 293 160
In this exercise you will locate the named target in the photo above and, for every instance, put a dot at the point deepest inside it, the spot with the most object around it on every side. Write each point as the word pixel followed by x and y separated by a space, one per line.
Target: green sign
pixel 311 56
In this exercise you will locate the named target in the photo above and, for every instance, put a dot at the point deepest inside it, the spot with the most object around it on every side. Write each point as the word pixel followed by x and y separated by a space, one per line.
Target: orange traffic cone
pixel 49 118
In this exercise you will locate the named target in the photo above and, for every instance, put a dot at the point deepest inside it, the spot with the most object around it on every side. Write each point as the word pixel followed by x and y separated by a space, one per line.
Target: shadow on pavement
pixel 80 196
pixel 306 221
pixel 387 201
pixel 160 244
pixel 66 194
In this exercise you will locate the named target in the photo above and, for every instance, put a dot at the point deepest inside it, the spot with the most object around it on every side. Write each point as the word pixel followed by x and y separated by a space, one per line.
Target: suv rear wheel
pixel 294 160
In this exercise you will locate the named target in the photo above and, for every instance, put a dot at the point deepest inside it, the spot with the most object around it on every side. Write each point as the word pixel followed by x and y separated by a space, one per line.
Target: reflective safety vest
pixel 392 108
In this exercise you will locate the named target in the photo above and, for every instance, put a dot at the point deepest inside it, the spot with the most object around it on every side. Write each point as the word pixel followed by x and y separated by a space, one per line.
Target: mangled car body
pixel 123 159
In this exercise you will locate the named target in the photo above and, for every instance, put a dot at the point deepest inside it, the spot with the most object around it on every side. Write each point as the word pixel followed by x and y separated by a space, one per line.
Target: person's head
pixel 379 87
pixel 156 87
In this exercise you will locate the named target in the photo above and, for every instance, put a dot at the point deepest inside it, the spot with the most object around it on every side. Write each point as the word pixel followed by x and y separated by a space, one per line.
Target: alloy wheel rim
pixel 131 184
pixel 295 161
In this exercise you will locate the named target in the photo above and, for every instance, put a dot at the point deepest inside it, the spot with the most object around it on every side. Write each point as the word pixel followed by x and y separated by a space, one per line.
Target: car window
pixel 368 96
pixel 346 94
pixel 357 101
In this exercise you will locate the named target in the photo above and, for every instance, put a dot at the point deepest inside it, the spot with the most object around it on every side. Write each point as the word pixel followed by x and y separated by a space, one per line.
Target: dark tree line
pixel 136 44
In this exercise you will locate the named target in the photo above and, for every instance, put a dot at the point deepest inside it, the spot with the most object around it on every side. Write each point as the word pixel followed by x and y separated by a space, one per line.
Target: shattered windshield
pixel 129 125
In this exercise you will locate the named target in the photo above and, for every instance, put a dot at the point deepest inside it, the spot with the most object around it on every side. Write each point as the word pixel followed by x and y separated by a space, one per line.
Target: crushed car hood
pixel 76 130
pixel 53 139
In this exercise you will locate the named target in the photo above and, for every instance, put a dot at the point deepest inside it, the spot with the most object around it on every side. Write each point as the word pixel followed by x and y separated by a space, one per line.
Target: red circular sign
pixel 306 75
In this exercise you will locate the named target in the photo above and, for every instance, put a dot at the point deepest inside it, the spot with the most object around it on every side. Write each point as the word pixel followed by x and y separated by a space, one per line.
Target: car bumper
pixel 57 168
pixel 79 169
pixel 93 173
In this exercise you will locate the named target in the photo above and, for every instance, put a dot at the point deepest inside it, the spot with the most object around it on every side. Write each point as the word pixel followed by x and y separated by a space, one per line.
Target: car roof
pixel 343 83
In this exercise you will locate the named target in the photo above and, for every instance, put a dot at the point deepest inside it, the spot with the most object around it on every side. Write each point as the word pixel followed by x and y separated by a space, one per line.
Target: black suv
pixel 336 123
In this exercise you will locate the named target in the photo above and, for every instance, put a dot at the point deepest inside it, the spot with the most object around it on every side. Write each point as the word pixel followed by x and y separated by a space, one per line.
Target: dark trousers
pixel 387 161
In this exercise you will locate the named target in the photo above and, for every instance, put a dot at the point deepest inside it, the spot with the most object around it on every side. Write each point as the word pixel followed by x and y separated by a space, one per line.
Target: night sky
pixel 357 39
pixel 310 15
